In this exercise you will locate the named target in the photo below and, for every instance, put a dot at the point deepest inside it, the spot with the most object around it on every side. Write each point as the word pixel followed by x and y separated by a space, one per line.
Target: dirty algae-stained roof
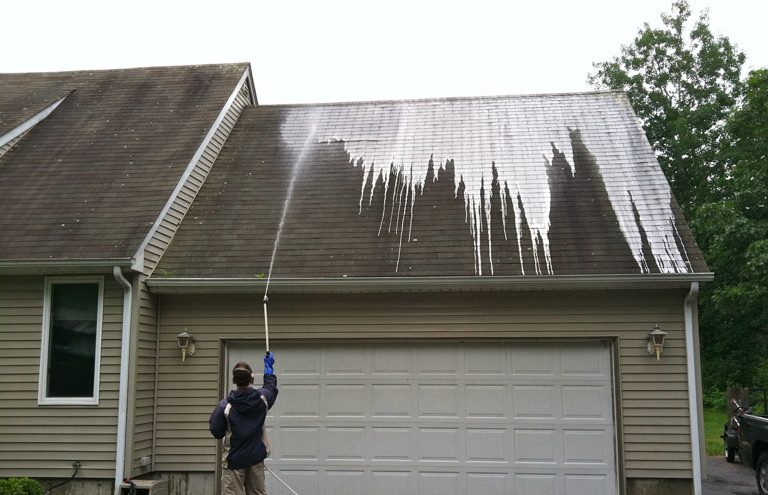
pixel 562 184
pixel 89 180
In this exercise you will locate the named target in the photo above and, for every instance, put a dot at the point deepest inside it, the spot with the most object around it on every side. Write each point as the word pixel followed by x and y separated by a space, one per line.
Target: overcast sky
pixel 317 51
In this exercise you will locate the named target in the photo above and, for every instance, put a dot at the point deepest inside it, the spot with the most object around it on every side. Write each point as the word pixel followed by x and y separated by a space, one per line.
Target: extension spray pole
pixel 266 323
pixel 266 338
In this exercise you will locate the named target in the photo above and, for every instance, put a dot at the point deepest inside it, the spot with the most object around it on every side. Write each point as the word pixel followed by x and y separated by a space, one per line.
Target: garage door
pixel 436 418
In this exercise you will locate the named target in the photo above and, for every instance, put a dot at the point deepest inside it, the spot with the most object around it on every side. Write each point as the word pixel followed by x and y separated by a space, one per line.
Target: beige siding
pixel 653 403
pixel 44 441
pixel 168 224
pixel 144 398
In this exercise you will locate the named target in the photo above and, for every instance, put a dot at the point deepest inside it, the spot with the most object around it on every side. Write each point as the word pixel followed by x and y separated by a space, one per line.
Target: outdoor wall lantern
pixel 656 341
pixel 186 344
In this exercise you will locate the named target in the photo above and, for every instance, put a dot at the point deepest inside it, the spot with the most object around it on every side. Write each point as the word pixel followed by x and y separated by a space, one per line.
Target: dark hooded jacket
pixel 246 422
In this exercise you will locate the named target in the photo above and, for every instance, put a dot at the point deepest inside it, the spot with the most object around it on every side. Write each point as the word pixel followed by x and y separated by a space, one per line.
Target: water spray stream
pixel 289 194
pixel 286 203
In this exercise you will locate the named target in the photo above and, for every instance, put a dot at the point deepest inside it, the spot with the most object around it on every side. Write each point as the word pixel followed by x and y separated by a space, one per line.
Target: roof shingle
pixel 89 181
pixel 545 184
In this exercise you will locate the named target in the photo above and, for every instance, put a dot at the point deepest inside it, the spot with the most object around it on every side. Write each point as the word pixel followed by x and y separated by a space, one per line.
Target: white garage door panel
pixel 497 417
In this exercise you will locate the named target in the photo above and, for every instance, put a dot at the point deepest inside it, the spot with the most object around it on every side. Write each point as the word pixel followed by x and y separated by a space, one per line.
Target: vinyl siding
pixel 171 221
pixel 144 398
pixel 44 441
pixel 653 401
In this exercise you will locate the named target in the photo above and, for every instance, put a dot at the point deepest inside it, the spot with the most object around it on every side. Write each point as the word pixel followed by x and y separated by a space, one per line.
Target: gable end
pixel 159 237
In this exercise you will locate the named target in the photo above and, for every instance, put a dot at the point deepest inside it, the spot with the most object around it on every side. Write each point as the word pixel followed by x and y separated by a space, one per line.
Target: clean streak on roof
pixel 521 136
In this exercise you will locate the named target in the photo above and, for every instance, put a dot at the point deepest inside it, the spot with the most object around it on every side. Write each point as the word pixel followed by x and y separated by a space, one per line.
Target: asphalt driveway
pixel 728 479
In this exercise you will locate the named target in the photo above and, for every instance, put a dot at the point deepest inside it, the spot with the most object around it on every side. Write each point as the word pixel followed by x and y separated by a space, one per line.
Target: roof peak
pixel 128 69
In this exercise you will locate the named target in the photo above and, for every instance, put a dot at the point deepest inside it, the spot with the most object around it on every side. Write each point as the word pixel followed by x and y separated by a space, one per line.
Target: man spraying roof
pixel 239 419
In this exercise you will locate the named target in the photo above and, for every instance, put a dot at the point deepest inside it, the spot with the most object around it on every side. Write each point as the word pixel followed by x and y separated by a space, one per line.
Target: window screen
pixel 72 339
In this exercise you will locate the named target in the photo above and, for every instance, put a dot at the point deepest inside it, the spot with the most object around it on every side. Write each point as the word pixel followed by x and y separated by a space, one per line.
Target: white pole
pixel 281 480
pixel 266 323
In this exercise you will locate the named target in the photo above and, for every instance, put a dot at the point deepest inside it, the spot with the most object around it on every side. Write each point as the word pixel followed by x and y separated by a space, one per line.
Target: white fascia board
pixel 30 123
pixel 62 266
pixel 422 284
pixel 138 257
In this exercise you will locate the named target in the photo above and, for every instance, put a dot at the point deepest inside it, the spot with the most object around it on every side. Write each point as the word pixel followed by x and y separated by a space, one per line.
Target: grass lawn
pixel 714 419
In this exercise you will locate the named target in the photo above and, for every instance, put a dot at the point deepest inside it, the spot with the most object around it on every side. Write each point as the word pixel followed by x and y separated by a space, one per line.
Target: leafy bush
pixel 714 399
pixel 20 486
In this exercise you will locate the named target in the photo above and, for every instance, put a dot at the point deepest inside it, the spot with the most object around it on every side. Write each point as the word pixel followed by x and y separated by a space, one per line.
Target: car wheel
pixel 730 452
pixel 761 471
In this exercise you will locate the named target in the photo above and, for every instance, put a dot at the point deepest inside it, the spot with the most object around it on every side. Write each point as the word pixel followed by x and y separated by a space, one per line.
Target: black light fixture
pixel 656 341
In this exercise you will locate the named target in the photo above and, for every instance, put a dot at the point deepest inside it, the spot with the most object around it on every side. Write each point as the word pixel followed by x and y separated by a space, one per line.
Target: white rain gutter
pixel 389 284
pixel 61 266
pixel 693 398
pixel 122 403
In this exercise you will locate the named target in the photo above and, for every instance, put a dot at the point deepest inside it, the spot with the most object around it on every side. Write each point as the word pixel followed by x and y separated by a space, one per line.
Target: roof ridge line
pixel 449 98
pixel 121 69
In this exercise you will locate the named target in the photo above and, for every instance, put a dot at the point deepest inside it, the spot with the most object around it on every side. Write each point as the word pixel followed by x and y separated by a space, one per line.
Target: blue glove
pixel 269 362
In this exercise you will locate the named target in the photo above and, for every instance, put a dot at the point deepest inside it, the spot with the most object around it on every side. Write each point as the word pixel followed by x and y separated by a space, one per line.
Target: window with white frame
pixel 71 344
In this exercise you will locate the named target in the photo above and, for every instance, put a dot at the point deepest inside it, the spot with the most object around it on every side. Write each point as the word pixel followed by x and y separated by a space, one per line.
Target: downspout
pixel 689 306
pixel 122 403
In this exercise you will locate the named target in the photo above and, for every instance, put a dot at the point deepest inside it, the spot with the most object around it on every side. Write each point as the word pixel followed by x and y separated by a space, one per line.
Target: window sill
pixel 68 401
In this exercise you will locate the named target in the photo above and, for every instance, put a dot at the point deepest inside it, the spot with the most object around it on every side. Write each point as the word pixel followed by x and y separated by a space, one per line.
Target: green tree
pixel 748 153
pixel 710 132
pixel 733 233
pixel 682 82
